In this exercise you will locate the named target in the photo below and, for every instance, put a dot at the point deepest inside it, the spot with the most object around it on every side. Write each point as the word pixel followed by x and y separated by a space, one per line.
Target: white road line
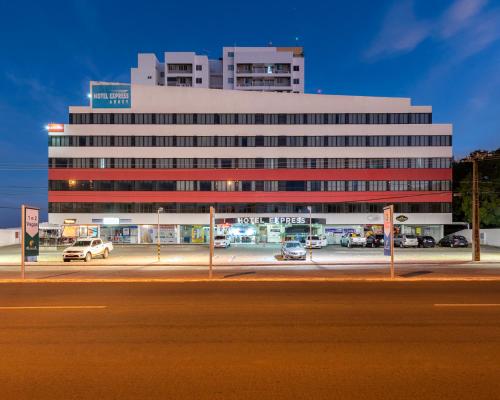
pixel 52 307
pixel 468 305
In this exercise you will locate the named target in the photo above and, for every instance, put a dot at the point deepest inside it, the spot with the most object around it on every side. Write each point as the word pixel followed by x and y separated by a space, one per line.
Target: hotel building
pixel 260 158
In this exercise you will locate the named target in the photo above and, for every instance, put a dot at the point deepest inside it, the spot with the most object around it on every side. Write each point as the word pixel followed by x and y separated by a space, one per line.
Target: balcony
pixel 179 82
pixel 179 69
pixel 263 69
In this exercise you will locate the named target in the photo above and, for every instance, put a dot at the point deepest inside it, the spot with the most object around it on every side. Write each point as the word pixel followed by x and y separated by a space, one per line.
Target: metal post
pixel 158 243
pixel 23 233
pixel 392 240
pixel 211 253
pixel 476 249
pixel 310 234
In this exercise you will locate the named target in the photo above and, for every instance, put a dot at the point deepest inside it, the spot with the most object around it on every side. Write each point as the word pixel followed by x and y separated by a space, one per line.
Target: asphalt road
pixel 247 340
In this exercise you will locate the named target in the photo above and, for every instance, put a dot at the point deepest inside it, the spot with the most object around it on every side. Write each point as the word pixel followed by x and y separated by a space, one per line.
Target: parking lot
pixel 254 255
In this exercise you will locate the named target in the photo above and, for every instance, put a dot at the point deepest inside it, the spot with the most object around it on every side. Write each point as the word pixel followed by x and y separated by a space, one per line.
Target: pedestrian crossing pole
pixel 211 253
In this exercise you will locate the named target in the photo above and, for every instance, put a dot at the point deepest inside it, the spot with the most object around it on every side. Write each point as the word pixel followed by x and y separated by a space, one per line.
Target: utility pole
pixel 476 244
pixel 211 254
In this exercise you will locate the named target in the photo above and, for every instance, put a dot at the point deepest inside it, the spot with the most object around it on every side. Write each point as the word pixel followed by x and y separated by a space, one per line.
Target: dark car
pixel 375 241
pixel 426 241
pixel 453 241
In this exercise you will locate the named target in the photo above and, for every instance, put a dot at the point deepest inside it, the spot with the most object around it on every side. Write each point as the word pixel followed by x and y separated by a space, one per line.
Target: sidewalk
pixel 146 273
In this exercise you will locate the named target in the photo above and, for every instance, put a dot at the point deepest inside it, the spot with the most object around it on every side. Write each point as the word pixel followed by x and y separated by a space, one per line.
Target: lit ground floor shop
pixel 241 230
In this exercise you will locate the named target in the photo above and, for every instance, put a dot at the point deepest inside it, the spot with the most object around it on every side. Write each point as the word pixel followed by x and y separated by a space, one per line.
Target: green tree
pixel 489 189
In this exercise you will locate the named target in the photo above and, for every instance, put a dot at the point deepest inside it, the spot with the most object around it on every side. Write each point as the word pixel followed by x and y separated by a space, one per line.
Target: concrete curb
pixel 250 280
pixel 270 264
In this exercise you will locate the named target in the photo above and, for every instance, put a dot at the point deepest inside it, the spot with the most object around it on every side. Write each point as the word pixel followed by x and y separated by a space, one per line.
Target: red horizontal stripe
pixel 247 197
pixel 251 174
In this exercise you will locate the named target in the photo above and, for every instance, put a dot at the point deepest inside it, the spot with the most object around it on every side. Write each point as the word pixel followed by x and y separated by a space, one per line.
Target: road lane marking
pixel 52 307
pixel 468 305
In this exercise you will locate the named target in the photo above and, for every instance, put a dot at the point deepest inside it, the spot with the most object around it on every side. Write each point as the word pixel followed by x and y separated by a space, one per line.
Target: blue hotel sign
pixel 111 96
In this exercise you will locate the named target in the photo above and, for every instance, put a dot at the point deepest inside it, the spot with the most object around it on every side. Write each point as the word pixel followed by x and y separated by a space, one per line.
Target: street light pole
pixel 158 246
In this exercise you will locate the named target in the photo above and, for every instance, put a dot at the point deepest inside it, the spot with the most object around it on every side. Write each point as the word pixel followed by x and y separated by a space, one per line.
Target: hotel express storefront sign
pixel 269 220
pixel 111 96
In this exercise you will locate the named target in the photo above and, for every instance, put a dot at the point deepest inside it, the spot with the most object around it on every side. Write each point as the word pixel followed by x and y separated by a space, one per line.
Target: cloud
pixel 401 31
pixel 458 16
pixel 465 26
pixel 34 89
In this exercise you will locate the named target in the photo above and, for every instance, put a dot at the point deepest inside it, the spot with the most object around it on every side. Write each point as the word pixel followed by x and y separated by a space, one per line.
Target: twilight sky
pixel 444 53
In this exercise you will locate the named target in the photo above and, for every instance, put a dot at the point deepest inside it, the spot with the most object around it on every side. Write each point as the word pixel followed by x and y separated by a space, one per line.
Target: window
pixel 296 68
pixel 150 77
pixel 230 80
pixel 198 80
pixel 296 81
pixel 230 67
pixel 199 67
pixel 230 54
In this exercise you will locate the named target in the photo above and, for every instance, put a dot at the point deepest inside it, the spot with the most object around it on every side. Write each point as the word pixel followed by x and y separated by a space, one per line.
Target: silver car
pixel 293 250
pixel 405 241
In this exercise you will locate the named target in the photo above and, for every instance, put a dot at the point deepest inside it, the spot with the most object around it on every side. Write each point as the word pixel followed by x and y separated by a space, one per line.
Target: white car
pixel 316 241
pixel 86 249
pixel 222 241
pixel 293 250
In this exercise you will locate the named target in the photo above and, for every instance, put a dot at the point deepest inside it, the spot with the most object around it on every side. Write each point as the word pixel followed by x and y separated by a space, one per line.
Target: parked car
pixel 453 241
pixel 293 250
pixel 426 241
pixel 316 241
pixel 222 241
pixel 375 241
pixel 86 249
pixel 352 239
pixel 405 241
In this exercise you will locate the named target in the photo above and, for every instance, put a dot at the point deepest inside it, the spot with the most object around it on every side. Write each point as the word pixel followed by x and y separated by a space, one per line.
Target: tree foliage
pixel 489 189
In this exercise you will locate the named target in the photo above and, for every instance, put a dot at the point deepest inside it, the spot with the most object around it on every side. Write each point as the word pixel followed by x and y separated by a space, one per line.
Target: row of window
pixel 251 119
pixel 250 186
pixel 250 163
pixel 250 141
pixel 256 208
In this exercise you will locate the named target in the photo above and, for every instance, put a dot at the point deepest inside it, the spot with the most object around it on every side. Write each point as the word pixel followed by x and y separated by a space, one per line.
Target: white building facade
pixel 261 159
pixel 275 69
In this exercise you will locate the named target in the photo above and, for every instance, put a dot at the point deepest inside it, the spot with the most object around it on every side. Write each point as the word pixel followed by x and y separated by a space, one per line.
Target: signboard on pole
pixel 389 235
pixel 30 237
pixel 31 234
pixel 388 231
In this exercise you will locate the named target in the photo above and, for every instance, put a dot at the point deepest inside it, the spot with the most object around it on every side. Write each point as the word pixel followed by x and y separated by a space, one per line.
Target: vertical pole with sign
pixel 30 237
pixel 389 235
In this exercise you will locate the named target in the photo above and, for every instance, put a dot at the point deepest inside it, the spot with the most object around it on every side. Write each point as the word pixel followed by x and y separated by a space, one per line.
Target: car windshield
pixel 292 245
pixel 410 236
pixel 354 235
pixel 220 237
pixel 313 238
pixel 82 243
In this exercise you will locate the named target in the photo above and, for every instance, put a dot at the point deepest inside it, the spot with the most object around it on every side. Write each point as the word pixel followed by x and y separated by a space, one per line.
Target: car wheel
pixel 105 254
pixel 88 257
pixel 66 260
